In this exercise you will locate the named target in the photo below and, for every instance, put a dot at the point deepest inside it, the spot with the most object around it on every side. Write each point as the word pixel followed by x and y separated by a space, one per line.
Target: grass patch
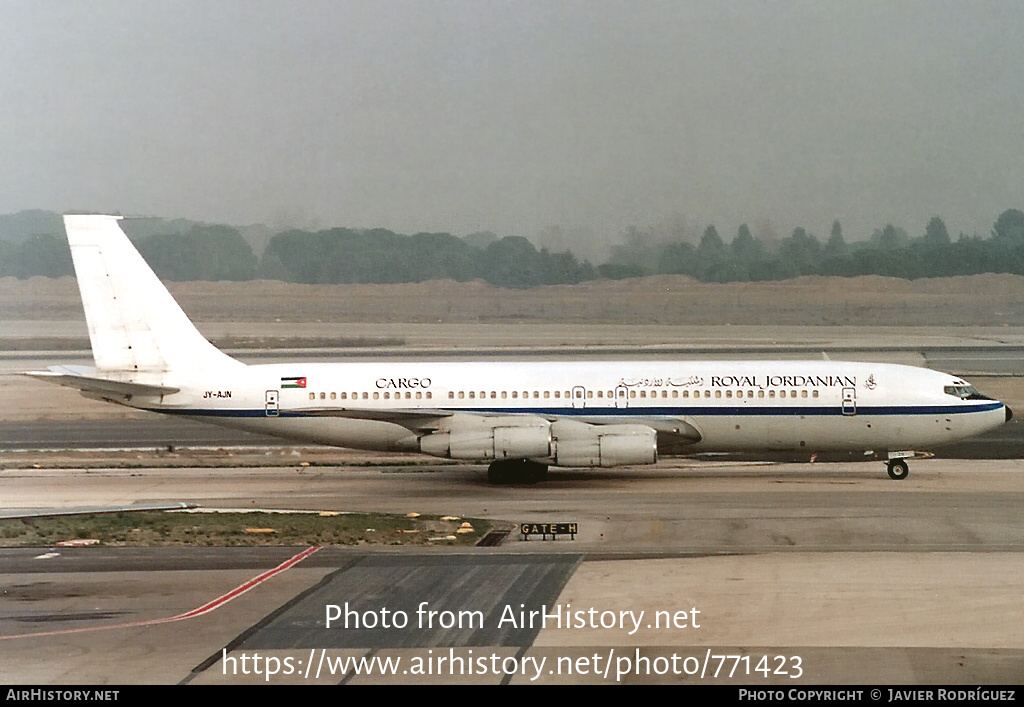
pixel 160 528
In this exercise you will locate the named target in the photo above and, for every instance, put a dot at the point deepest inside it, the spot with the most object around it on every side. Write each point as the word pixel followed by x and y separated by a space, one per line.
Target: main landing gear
pixel 516 471
pixel 897 469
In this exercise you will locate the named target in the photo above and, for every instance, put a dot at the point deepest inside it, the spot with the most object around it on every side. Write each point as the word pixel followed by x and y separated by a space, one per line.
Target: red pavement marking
pixel 204 609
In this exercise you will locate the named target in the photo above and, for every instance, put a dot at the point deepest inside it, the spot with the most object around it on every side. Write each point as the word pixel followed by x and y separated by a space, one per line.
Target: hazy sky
pixel 517 116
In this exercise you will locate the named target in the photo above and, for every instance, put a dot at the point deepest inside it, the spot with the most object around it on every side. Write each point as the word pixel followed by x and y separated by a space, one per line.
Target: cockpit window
pixel 964 392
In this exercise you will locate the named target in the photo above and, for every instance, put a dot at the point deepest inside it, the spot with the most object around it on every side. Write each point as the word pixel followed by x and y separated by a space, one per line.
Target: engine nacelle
pixel 481 438
pixel 579 444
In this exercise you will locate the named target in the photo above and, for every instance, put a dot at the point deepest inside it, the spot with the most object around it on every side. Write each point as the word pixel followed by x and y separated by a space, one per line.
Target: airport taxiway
pixel 863 578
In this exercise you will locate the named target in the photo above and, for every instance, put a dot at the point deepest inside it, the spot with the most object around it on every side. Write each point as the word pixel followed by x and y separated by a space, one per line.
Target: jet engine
pixel 579 444
pixel 507 437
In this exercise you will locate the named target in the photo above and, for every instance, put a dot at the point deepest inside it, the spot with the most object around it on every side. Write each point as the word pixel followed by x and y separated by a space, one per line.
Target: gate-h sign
pixel 546 529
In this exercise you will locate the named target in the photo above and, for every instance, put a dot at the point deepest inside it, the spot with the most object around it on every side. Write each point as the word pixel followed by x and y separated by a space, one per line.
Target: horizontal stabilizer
pixel 74 378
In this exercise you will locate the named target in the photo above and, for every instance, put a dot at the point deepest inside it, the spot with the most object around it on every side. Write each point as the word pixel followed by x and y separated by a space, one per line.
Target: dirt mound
pixel 664 299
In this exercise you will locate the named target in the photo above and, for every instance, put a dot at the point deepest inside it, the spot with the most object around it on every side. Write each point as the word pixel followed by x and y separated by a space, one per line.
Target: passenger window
pixel 718 393
pixel 312 396
pixel 782 393
pixel 728 393
pixel 771 393
pixel 814 394
pixel 366 396
pixel 547 394
pixel 472 395
pixel 323 396
pixel 429 395
pixel 803 393
pixel 760 393
pixel 632 393
pixel 334 396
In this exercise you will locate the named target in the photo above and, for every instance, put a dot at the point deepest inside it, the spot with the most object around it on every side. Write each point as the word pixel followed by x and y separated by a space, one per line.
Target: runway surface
pixel 861 578
pixel 830 572
pixel 153 432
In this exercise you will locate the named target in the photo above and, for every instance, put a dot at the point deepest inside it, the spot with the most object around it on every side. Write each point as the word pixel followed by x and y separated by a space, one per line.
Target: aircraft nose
pixel 1009 413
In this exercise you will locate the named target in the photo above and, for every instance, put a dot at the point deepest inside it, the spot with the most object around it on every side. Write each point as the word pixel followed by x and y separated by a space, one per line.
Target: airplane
pixel 519 417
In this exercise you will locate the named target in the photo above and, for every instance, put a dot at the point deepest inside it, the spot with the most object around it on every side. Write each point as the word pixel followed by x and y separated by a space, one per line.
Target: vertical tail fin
pixel 134 322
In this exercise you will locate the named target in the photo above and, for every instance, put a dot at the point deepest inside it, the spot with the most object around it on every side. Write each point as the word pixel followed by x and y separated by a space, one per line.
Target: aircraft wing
pixel 673 434
pixel 415 420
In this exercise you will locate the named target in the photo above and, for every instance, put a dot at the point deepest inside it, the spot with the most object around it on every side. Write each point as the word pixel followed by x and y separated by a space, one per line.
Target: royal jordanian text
pixel 783 381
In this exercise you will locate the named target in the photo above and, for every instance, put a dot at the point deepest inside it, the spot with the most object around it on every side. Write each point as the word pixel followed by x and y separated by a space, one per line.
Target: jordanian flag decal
pixel 293 382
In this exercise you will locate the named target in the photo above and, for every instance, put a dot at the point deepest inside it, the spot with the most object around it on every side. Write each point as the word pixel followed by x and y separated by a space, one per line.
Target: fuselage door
pixel 272 407
pixel 579 397
pixel 849 401
pixel 622 397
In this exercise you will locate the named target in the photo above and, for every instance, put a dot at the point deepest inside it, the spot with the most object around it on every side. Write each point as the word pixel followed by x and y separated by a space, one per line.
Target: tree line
pixel 890 251
pixel 341 255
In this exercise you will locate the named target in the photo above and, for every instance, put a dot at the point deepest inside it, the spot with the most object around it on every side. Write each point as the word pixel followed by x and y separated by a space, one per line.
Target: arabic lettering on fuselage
pixel 661 382
pixel 746 381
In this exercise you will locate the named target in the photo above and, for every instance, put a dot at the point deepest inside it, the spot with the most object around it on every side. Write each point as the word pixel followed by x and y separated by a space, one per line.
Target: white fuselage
pixel 522 415
pixel 743 406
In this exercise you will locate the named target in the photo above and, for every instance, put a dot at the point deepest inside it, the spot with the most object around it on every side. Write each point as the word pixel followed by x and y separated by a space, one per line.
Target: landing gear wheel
pixel 536 472
pixel 898 469
pixel 516 471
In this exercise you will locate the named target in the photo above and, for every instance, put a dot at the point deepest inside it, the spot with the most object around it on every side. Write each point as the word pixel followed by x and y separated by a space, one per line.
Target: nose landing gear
pixel 897 469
